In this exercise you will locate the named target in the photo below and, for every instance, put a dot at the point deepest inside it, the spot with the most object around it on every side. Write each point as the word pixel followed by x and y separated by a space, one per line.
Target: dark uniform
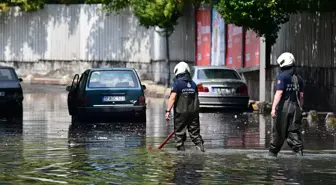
pixel 288 112
pixel 186 111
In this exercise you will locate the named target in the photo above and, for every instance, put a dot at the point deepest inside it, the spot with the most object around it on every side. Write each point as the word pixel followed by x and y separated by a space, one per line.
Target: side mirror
pixel 144 87
pixel 20 79
pixel 68 88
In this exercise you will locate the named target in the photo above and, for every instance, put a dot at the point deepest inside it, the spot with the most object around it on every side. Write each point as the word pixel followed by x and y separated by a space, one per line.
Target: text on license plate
pixel 2 93
pixel 113 98
pixel 226 91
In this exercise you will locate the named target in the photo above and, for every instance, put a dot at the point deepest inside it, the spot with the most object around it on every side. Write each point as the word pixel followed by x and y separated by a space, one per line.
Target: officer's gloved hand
pixel 304 114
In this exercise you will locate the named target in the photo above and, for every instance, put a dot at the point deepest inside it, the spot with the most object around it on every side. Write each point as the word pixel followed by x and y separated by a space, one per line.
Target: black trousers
pixel 184 121
pixel 287 126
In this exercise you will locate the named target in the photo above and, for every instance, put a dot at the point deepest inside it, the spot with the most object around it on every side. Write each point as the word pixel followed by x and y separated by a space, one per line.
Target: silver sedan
pixel 220 87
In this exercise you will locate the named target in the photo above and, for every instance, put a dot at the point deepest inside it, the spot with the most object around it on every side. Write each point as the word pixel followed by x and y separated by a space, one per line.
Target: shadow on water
pixel 11 128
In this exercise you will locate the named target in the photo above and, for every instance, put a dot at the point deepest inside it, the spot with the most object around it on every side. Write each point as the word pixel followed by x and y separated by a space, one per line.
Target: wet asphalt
pixel 48 149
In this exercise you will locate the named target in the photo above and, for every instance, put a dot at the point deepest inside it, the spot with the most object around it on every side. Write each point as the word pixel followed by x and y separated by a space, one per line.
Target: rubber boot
pixel 200 147
pixel 180 148
pixel 271 154
pixel 299 153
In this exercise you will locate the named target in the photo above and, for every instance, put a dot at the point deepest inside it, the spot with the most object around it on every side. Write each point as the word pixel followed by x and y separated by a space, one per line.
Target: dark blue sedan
pixel 103 93
pixel 11 95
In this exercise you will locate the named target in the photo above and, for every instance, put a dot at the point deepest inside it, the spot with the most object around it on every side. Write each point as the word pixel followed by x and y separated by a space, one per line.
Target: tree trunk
pixel 167 59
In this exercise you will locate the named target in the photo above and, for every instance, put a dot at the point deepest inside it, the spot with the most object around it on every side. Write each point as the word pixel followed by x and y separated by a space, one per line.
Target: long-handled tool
pixel 164 142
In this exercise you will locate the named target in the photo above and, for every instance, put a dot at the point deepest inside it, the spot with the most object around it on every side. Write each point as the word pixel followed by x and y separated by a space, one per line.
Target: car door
pixel 73 92
pixel 81 98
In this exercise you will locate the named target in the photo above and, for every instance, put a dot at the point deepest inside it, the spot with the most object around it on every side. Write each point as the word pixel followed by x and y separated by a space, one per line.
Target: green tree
pixel 266 16
pixel 263 17
pixel 31 5
pixel 159 13
pixel 25 5
pixel 163 14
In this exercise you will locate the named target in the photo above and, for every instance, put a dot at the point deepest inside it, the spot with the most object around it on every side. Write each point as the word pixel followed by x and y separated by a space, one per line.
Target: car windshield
pixel 113 79
pixel 7 74
pixel 204 74
pixel 192 71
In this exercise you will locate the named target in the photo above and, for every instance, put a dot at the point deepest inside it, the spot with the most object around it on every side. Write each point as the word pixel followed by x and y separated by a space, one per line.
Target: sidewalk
pixel 152 90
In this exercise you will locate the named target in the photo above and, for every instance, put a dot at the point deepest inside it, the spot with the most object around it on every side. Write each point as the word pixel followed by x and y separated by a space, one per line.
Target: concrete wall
pixel 311 37
pixel 67 39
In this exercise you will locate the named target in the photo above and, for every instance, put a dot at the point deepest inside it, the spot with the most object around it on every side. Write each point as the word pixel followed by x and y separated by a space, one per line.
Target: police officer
pixel 184 99
pixel 287 107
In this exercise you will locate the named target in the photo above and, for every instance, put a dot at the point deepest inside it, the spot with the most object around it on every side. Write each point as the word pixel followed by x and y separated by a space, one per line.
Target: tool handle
pixel 166 140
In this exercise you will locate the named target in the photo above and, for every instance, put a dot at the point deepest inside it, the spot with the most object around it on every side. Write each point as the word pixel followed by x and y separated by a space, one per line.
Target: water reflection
pixel 190 169
pixel 48 149
pixel 157 127
pixel 108 135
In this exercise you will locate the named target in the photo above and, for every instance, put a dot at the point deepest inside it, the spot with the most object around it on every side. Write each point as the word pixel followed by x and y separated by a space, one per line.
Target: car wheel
pixel 77 120
pixel 17 115
pixel 141 118
pixel 74 120
pixel 20 112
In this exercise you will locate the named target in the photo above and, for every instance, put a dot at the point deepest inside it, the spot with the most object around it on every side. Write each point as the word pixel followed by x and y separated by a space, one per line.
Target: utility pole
pixel 166 32
pixel 167 59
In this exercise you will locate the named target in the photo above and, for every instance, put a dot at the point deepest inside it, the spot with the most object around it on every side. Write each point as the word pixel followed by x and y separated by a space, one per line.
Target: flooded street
pixel 47 149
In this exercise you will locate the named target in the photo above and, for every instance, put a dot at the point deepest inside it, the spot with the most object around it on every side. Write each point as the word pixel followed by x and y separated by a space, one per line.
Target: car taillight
pixel 243 89
pixel 201 88
pixel 142 100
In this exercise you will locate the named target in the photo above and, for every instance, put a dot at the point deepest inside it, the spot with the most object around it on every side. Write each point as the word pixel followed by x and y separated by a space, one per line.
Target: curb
pixel 47 81
pixel 152 90
pixel 155 91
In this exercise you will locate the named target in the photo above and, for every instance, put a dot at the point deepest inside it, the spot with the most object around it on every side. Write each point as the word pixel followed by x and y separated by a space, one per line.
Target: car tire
pixel 141 118
pixel 74 120
pixel 17 116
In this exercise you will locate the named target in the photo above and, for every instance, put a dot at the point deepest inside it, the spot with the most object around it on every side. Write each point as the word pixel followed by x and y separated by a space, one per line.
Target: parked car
pixel 220 87
pixel 103 93
pixel 11 94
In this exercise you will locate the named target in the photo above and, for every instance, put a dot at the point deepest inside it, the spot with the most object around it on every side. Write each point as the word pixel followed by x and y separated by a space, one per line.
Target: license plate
pixel 226 91
pixel 2 93
pixel 113 98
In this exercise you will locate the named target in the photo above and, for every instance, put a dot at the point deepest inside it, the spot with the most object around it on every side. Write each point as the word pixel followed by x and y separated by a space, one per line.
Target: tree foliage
pixel 151 13
pixel 161 13
pixel 263 17
pixel 25 5
pixel 266 16
pixel 32 5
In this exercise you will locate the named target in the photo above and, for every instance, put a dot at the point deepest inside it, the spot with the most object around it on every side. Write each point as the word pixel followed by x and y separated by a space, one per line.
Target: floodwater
pixel 47 149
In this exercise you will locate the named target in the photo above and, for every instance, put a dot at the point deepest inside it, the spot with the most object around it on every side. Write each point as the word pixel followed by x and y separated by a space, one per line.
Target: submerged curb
pixel 152 90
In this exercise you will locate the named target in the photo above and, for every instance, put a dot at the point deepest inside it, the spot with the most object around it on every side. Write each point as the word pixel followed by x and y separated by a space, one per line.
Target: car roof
pixel 113 69
pixel 6 67
pixel 212 67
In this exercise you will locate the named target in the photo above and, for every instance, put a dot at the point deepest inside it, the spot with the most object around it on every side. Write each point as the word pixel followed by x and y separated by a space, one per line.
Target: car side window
pixel 192 72
pixel 82 81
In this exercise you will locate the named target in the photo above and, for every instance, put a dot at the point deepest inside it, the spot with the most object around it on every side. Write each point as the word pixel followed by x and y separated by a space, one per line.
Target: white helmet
pixel 181 68
pixel 286 59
